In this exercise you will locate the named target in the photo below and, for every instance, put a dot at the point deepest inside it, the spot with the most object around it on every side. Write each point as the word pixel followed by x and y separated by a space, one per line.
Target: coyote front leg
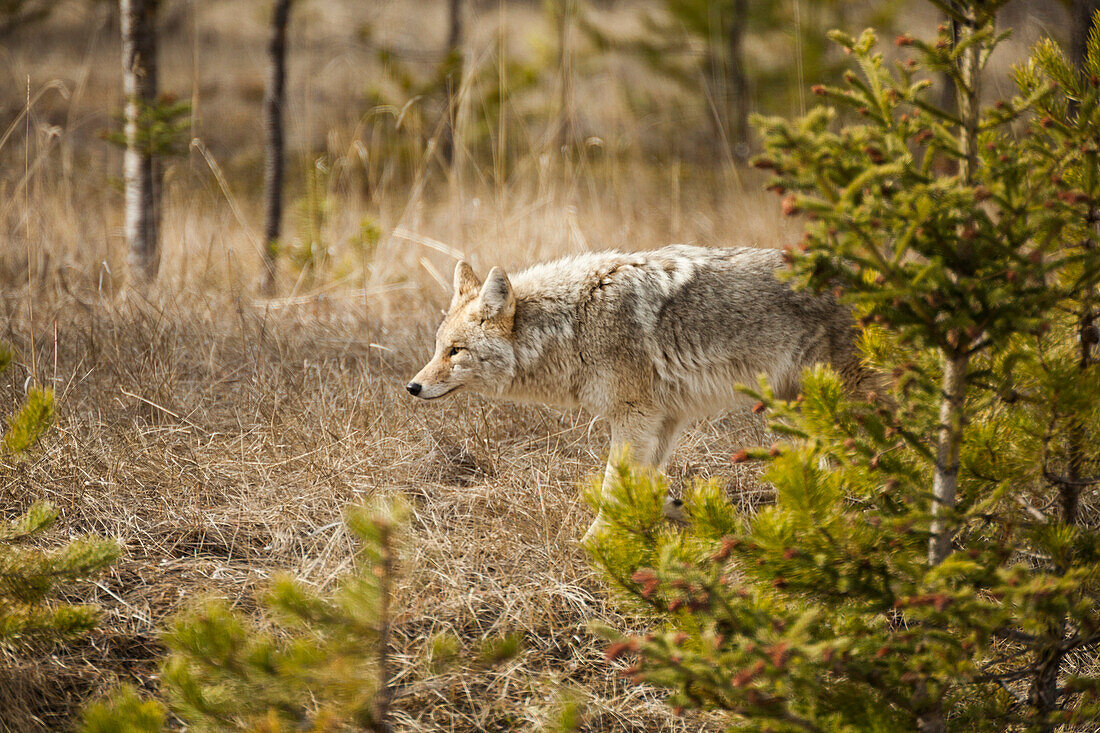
pixel 648 439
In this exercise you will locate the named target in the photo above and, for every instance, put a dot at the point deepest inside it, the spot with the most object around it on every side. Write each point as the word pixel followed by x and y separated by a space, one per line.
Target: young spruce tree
pixel 318 662
pixel 930 562
pixel 28 575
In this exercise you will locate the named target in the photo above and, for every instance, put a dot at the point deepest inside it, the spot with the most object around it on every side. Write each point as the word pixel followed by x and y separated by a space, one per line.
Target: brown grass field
pixel 218 435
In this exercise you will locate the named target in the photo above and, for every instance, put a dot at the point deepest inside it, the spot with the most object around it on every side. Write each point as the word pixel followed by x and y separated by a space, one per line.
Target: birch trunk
pixel 952 405
pixel 946 478
pixel 274 160
pixel 141 170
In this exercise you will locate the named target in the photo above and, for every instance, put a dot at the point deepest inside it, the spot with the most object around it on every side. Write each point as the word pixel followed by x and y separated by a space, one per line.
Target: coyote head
pixel 473 346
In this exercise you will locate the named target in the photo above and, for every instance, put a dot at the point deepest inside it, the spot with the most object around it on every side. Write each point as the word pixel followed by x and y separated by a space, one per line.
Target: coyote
pixel 649 340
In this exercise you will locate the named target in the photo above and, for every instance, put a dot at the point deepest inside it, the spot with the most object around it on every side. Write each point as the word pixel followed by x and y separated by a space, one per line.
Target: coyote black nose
pixel 414 388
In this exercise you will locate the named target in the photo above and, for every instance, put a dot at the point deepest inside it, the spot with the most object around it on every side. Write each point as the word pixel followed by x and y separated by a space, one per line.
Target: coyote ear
pixel 466 284
pixel 497 300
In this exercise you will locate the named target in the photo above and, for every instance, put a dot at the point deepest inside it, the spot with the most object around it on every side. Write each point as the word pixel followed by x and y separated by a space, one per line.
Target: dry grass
pixel 219 443
pixel 219 436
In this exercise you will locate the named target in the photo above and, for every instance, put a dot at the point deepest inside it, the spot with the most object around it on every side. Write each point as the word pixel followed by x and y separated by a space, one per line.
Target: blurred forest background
pixel 622 124
pixel 216 420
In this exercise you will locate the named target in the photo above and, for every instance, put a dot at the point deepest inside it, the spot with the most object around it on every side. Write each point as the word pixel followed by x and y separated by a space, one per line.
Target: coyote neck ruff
pixel 648 340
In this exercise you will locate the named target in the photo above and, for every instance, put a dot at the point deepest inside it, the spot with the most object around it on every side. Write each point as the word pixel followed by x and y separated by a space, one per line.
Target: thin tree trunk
pixel 948 92
pixel 141 170
pixel 453 80
pixel 952 415
pixel 565 64
pixel 383 696
pixel 946 477
pixel 274 163
pixel 1081 22
pixel 738 81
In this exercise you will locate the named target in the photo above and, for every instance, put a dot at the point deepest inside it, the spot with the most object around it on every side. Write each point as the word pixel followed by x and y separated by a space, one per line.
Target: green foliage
pixel 28 576
pixel 317 661
pixel 32 420
pixel 162 128
pixel 124 712
pixel 568 717
pixel 309 253
pixel 967 244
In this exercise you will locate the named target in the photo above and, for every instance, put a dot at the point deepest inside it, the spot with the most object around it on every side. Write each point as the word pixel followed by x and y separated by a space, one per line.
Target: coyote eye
pixel 454 351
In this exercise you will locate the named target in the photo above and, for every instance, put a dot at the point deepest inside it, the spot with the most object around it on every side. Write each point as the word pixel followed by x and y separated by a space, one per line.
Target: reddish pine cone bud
pixel 1047 121
pixel 759 407
pixel 740 456
pixel 763 163
pixel 745 676
pixel 778 654
pixel 874 154
pixel 818 89
pixel 789 206
pixel 777 188
pixel 616 650
pixel 1074 197
pixel 647 578
pixel 904 40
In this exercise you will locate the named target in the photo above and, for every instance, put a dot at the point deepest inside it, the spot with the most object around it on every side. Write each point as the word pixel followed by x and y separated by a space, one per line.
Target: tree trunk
pixel 565 64
pixel 453 81
pixel 952 417
pixel 738 107
pixel 948 92
pixel 141 170
pixel 1081 22
pixel 952 406
pixel 946 477
pixel 274 162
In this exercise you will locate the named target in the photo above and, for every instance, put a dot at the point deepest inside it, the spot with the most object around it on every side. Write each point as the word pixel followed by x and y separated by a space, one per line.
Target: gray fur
pixel 650 341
